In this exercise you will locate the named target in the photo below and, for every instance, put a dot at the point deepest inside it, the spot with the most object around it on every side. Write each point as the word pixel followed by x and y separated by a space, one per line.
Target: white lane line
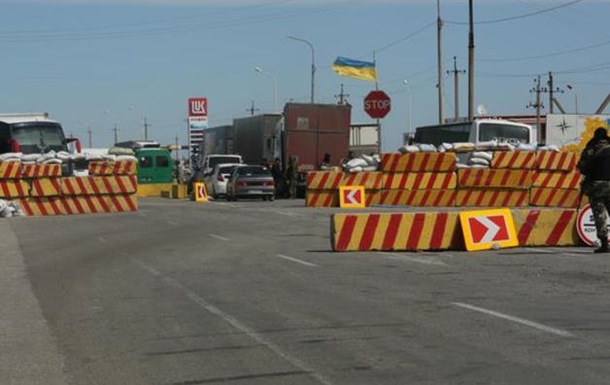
pixel 543 251
pixel 425 261
pixel 219 237
pixel 296 260
pixel 101 239
pixel 234 322
pixel 172 223
pixel 521 321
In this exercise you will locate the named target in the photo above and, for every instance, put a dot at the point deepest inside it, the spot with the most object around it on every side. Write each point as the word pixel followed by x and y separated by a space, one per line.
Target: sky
pixel 94 64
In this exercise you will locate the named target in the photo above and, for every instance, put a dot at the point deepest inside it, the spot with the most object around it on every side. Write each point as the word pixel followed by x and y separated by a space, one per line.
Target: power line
pixel 511 18
pixel 544 56
pixel 67 35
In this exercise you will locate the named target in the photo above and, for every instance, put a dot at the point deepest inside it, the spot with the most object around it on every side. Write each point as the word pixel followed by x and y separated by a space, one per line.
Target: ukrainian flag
pixel 355 68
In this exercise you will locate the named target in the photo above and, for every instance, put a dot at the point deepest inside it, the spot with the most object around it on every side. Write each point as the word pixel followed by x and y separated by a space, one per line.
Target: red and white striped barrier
pixel 494 178
pixel 418 162
pixel 10 170
pixel 513 159
pixel 556 161
pixel 423 198
pixel 419 180
pixel 119 167
pixel 100 185
pixel 492 198
pixel 41 170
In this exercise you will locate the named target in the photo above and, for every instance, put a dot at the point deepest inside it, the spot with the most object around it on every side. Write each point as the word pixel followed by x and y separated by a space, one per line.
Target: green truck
pixel 155 163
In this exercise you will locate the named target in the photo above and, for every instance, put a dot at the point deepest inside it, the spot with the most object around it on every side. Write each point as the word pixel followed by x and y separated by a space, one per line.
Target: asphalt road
pixel 249 292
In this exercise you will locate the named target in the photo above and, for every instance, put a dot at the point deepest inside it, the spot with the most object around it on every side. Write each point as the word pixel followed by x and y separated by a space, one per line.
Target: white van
pixel 207 166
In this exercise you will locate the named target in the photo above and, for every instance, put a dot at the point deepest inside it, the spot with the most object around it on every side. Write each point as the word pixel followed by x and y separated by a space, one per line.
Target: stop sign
pixel 377 104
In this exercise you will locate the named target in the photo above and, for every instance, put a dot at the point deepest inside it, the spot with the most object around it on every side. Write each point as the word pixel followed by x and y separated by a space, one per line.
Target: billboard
pixel 197 121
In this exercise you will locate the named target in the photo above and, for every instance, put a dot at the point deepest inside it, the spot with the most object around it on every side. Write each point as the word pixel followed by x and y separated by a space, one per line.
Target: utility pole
pixel 552 89
pixel 470 64
pixel 342 97
pixel 439 28
pixel 176 145
pixel 252 110
pixel 538 105
pixel 90 133
pixel 116 133
pixel 146 125
pixel 456 88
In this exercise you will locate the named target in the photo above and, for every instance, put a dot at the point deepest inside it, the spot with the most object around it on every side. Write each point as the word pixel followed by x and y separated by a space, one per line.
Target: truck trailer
pixel 308 132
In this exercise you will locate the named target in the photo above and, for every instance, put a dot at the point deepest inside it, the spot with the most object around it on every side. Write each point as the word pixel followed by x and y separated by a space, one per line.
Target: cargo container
pixel 253 137
pixel 309 131
pixel 216 140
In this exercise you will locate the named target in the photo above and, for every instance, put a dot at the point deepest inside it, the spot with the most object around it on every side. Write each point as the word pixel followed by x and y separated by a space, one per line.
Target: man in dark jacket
pixel 594 165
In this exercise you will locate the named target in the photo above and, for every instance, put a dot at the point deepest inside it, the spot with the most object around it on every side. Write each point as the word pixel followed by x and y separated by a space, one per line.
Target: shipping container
pixel 312 130
pixel 216 140
pixel 253 137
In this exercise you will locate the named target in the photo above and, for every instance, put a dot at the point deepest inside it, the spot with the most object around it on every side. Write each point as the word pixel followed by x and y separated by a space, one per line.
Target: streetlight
pixel 259 69
pixel 575 98
pixel 313 63
pixel 408 86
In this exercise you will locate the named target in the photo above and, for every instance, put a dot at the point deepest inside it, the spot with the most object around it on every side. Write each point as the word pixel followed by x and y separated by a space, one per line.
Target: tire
pixel 271 198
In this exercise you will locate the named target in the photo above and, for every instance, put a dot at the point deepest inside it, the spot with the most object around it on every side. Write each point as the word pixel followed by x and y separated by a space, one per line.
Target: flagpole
pixel 377 89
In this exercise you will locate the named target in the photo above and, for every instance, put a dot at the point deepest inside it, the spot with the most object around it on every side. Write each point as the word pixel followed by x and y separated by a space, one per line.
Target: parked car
pixel 250 181
pixel 216 181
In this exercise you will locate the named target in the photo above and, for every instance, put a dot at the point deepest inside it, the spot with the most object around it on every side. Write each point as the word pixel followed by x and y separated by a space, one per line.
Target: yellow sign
pixel 351 197
pixel 201 195
pixel 488 229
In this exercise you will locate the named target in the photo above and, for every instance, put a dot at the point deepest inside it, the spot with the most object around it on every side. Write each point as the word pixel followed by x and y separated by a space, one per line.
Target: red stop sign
pixel 377 104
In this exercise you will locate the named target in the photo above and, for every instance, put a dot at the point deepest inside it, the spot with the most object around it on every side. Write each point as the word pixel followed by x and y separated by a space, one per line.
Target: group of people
pixel 285 182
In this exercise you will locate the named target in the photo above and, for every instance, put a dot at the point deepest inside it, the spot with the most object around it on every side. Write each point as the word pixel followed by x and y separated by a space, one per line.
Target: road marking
pixel 296 260
pixel 102 239
pixel 543 251
pixel 219 237
pixel 233 322
pixel 424 261
pixel 172 223
pixel 521 321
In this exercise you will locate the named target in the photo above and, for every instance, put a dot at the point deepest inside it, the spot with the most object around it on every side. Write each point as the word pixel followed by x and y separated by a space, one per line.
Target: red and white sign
pixel 351 197
pixel 201 195
pixel 198 107
pixel 487 229
pixel 585 226
pixel 377 104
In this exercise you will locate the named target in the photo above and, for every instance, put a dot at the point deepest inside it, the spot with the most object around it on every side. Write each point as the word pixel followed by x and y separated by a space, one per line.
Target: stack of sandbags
pixel 362 163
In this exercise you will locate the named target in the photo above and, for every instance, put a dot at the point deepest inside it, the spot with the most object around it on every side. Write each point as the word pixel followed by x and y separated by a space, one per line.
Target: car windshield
pixel 214 160
pixel 225 169
pixel 253 171
pixel 39 137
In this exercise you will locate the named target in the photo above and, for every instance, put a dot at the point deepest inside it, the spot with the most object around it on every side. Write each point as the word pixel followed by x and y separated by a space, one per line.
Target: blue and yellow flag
pixel 355 68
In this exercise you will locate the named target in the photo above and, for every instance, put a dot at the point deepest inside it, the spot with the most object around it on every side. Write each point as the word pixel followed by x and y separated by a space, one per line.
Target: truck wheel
pixel 271 198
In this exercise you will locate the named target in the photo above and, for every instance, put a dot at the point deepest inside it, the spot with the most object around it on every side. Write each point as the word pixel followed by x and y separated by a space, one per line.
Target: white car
pixel 216 181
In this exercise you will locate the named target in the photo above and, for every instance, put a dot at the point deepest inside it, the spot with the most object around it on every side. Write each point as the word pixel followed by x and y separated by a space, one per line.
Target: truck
pixel 308 132
pixel 35 133
pixel 253 137
pixel 215 140
pixel 571 132
pixel 155 164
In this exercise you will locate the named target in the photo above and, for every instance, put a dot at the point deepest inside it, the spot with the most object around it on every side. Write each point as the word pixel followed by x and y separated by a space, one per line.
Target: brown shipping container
pixel 311 130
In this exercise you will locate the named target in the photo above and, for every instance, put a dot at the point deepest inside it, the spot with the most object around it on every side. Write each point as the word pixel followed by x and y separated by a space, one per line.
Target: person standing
pixel 594 165
pixel 292 171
